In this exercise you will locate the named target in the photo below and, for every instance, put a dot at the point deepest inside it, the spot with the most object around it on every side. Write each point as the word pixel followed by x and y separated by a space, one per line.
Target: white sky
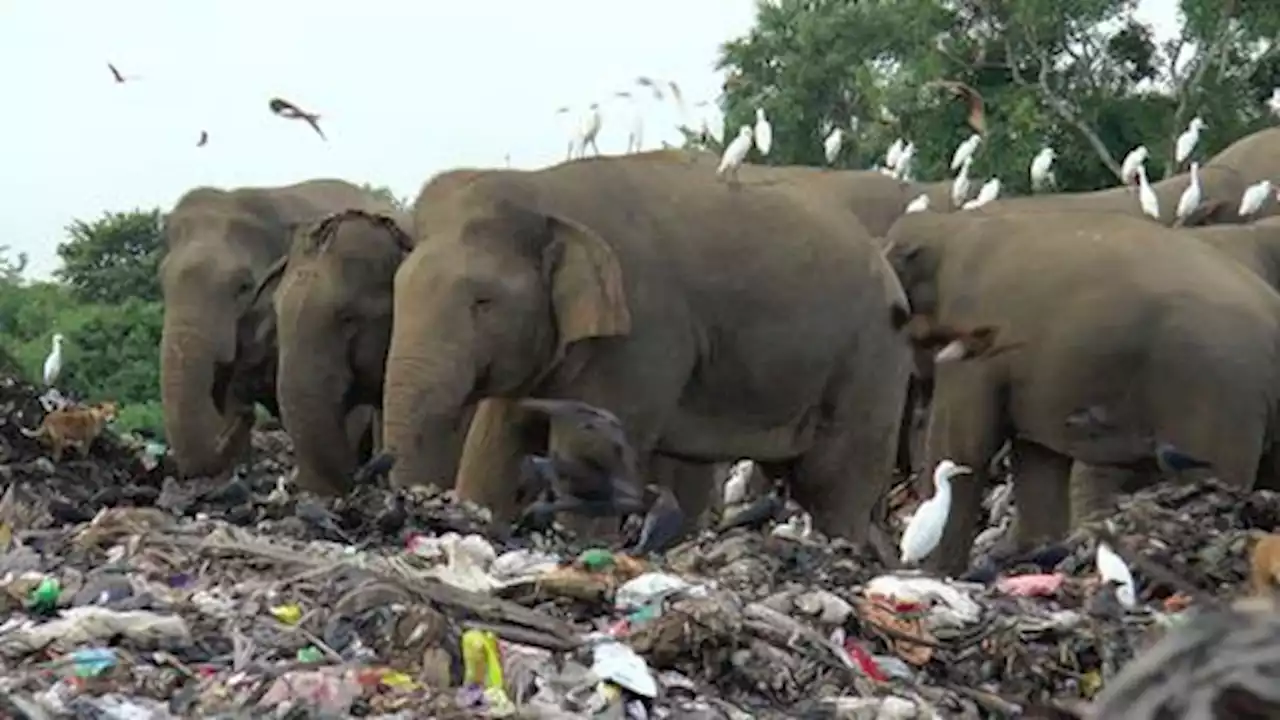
pixel 405 88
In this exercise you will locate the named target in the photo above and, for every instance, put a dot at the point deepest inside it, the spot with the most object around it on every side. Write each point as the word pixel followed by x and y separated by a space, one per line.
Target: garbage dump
pixel 129 594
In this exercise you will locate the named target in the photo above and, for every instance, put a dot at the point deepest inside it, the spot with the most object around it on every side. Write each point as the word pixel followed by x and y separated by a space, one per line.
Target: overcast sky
pixel 405 88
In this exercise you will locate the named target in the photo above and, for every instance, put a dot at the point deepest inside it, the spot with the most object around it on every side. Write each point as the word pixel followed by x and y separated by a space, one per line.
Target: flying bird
pixel 1147 198
pixel 965 151
pixel 204 139
pixel 1041 168
pixel 735 153
pixel 763 133
pixel 1191 196
pixel 924 529
pixel 1187 141
pixel 1255 197
pixel 1133 161
pixel 652 85
pixel 118 76
pixel 919 204
pixel 662 524
pixel 53 362
pixel 288 110
pixel 1112 569
pixel 831 145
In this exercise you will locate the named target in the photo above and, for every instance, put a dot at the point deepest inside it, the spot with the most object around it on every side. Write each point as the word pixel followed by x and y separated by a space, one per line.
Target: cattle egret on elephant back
pixel 1255 196
pixel 635 137
pixel 1133 161
pixel 924 529
pixel 763 133
pixel 1112 569
pixel 989 191
pixel 920 204
pixel 588 130
pixel 1187 140
pixel 53 363
pixel 735 153
pixel 831 146
pixel 1146 196
pixel 960 186
pixel 1190 199
pixel 903 170
pixel 1274 102
pixel 1041 172
pixel 894 153
pixel 965 151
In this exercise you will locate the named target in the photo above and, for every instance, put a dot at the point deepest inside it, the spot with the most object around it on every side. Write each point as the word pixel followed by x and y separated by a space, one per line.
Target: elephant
pixel 1255 245
pixel 1132 333
pixel 332 310
pixel 1222 188
pixel 217 348
pixel 656 291
pixel 1253 158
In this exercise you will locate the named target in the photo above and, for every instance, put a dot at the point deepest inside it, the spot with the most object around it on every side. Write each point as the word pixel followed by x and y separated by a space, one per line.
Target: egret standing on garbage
pixel 1112 569
pixel 53 363
pixel 1187 140
pixel 924 529
pixel 1146 196
pixel 1190 199
pixel 735 486
pixel 1133 161
pixel 965 151
pixel 735 153
pixel 763 133
pixel 1040 168
pixel 1255 196
pixel 831 146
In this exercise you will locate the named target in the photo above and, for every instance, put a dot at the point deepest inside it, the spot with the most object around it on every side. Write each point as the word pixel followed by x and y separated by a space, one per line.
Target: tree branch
pixel 1192 83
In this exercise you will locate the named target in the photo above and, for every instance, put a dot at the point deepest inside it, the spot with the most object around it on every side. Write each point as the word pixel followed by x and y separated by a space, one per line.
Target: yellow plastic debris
pixel 288 614
pixel 481 663
pixel 1091 683
pixel 398 680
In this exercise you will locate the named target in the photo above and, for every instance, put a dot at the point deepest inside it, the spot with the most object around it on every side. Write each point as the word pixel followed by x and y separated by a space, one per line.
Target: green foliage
pixel 1084 76
pixel 115 258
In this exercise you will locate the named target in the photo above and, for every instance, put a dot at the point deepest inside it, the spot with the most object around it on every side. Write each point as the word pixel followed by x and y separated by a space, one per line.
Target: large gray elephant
pixel 217 350
pixel 1222 188
pixel 1253 158
pixel 654 290
pixel 1255 245
pixel 332 305
pixel 1133 333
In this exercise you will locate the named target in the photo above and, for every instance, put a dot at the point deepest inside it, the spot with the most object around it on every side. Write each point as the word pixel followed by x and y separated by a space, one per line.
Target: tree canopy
pixel 1084 76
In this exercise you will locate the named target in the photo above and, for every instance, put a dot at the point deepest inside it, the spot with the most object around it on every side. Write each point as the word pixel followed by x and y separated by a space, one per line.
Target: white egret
pixel 894 153
pixel 1187 140
pixel 965 151
pixel 831 146
pixel 1274 102
pixel 1133 161
pixel 920 204
pixel 736 152
pixel 1041 166
pixel 735 486
pixel 924 529
pixel 960 186
pixel 589 129
pixel 763 133
pixel 635 136
pixel 1146 196
pixel 1112 568
pixel 1190 199
pixel 1255 196
pixel 989 191
pixel 53 363
pixel 903 170
pixel 798 527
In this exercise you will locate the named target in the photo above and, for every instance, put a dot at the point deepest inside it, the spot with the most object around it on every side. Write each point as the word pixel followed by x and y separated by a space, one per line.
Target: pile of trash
pixel 131 595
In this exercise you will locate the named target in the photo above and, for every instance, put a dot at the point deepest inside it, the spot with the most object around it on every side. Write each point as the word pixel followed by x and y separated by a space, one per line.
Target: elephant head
pixel 217 346
pixel 492 297
pixel 333 314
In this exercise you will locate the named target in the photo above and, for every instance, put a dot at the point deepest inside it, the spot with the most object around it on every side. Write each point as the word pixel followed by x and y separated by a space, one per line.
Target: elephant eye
pixel 481 302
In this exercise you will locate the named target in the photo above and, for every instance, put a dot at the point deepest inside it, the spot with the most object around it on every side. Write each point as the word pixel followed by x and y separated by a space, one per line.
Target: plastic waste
pixel 647 589
pixel 956 608
pixel 619 664
pixel 288 614
pixel 596 559
pixel 44 597
pixel 1039 585
pixel 328 691
pixel 310 654
pixel 92 662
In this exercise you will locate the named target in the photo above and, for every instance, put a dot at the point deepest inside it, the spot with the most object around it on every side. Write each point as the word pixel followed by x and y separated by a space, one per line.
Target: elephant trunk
pixel 313 412
pixel 424 403
pixel 192 423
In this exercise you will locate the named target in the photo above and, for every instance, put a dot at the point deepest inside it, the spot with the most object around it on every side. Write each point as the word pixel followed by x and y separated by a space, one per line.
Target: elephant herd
pixel 760 320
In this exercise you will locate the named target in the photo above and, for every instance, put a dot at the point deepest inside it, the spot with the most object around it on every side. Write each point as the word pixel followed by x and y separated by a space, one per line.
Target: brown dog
pixel 73 426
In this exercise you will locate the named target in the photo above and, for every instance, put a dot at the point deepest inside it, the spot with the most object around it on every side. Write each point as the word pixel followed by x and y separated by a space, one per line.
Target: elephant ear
pixel 585 278
pixel 269 281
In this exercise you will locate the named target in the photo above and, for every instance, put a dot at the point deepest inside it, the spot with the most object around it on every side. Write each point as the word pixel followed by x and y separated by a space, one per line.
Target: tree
pixel 1081 75
pixel 115 258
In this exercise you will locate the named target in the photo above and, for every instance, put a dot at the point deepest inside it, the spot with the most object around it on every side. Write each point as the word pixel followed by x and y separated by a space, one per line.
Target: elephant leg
pixel 375 431
pixel 358 425
pixel 966 426
pixel 498 438
pixel 234 442
pixel 693 484
pixel 1041 477
pixel 1094 489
